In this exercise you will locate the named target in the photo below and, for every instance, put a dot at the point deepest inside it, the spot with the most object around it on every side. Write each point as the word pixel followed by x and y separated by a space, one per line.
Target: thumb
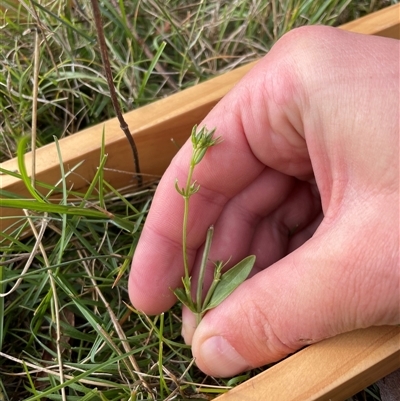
pixel 328 286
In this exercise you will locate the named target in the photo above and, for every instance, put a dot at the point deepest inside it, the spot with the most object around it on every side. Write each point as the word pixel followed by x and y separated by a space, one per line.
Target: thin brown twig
pixel 111 87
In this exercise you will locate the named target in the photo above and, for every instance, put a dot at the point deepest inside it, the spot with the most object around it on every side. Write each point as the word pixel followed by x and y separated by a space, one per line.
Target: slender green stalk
pixel 222 285
pixel 201 141
pixel 35 91
pixel 2 286
pixel 217 276
pixel 186 197
pixel 203 265
pixel 163 384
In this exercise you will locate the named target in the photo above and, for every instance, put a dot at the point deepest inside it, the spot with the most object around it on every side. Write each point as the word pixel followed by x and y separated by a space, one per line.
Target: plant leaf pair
pixel 223 286
pixel 230 281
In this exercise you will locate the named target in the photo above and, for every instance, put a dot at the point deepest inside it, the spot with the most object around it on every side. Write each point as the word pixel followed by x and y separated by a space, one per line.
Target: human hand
pixel 307 179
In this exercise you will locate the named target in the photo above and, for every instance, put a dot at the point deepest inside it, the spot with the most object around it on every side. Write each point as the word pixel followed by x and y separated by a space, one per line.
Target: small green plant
pixel 223 284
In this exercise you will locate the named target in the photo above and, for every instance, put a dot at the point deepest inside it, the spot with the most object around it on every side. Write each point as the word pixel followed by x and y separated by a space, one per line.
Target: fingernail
pixel 220 359
pixel 188 325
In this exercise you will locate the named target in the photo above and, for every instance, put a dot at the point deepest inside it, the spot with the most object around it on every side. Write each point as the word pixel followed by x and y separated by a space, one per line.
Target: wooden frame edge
pixel 334 369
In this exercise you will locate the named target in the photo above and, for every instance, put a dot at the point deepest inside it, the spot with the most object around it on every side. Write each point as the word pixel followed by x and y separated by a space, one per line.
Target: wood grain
pixel 333 369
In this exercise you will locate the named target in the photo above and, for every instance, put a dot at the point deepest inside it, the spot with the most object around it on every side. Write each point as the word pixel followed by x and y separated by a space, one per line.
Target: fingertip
pixel 147 297
pixel 217 357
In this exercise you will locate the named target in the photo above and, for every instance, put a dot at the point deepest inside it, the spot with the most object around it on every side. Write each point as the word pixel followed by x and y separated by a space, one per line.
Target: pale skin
pixel 307 179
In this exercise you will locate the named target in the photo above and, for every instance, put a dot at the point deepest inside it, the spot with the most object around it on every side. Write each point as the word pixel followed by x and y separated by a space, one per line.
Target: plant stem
pixel 203 266
pixel 35 91
pixel 202 139
pixel 217 277
pixel 203 307
pixel 186 196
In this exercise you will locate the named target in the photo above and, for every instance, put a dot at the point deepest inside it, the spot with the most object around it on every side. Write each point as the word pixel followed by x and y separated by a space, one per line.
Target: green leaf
pixel 230 281
pixel 126 225
pixel 182 296
pixel 32 204
pixel 180 191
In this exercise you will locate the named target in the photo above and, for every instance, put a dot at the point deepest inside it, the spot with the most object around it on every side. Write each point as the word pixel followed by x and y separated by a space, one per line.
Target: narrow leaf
pixel 32 204
pixel 230 281
pixel 151 68
pixel 181 295
pixel 126 225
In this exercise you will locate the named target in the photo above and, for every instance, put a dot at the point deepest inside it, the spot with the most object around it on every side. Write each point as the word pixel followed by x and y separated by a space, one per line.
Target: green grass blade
pixel 51 188
pixel 69 210
pixel 150 69
pixel 2 291
pixel 62 242
pixel 63 21
pixel 37 206
pixel 84 375
pixel 22 169
pixel 100 170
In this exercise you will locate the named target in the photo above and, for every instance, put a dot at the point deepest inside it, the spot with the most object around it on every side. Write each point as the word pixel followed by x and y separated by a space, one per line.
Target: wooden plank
pixel 334 369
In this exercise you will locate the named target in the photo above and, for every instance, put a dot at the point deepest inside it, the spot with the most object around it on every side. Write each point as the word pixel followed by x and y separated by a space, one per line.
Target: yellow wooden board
pixel 334 369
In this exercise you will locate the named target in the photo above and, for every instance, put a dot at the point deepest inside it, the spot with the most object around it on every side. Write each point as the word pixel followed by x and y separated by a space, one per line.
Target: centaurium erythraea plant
pixel 223 284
